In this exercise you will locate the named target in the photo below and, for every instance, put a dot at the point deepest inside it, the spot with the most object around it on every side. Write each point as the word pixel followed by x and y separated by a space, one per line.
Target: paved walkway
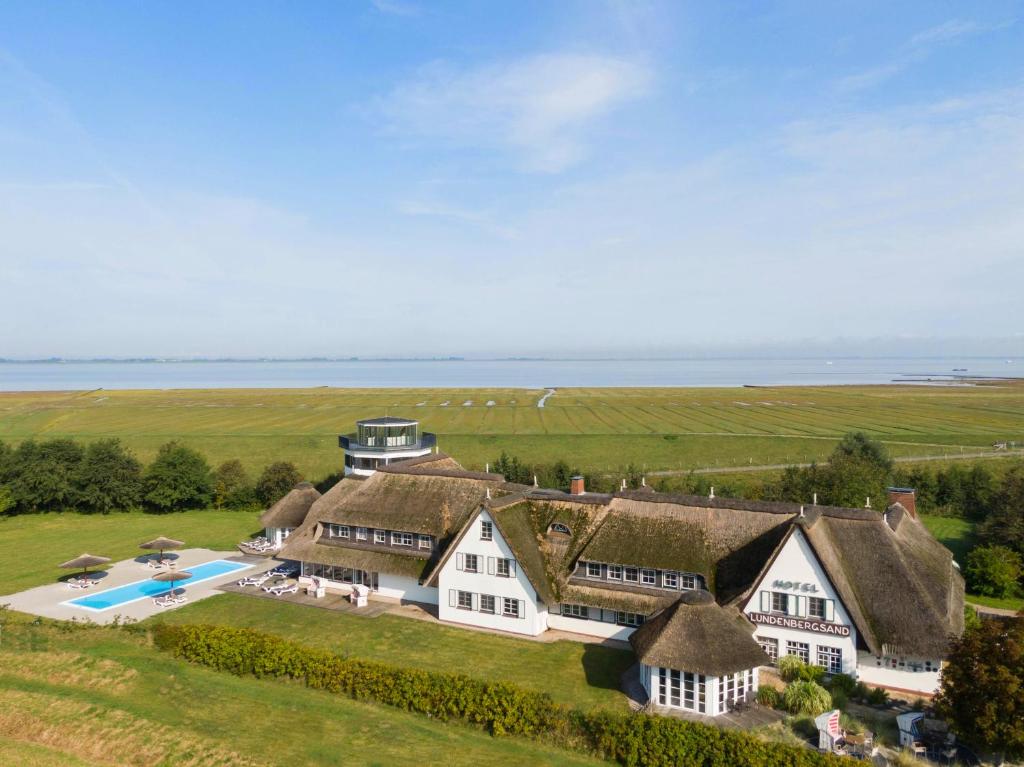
pixel 49 601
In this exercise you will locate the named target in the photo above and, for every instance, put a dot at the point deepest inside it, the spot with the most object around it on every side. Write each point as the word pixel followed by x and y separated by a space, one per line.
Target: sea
pixel 498 373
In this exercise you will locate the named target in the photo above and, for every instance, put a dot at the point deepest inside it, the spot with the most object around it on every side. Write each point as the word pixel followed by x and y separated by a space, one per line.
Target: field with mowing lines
pixel 595 429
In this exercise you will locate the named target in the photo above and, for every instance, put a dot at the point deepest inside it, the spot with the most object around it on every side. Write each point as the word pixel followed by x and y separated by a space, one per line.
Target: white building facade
pixel 481 584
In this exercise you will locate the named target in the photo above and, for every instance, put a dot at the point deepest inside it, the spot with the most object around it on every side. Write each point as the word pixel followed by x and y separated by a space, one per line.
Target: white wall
pixel 869 672
pixel 409 589
pixel 588 627
pixel 797 563
pixel 535 615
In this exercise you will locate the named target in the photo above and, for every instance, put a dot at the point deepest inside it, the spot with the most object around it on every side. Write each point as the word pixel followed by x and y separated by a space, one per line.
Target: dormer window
pixel 380 536
pixel 593 569
pixel 558 527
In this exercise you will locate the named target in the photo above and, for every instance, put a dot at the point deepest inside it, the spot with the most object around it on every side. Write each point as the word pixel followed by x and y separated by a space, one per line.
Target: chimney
pixel 576 488
pixel 905 497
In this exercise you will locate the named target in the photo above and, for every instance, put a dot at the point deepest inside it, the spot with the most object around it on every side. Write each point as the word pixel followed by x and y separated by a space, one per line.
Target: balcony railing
pixel 351 442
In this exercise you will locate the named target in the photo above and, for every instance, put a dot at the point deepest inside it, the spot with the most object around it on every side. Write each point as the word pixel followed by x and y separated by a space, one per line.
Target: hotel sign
pixel 800 624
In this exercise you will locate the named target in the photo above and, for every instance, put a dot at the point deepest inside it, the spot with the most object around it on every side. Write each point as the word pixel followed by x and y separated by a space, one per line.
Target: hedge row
pixel 501 708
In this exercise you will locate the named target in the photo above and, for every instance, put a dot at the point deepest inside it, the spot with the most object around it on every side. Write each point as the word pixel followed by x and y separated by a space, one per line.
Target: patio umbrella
pixel 162 544
pixel 83 562
pixel 172 576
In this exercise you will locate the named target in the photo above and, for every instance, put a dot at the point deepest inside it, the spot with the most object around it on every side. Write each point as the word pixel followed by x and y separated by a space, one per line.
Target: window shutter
pixel 512 568
pixel 766 602
pixel 451 598
pixel 522 609
pixel 474 601
pixel 490 565
pixel 792 608
pixel 801 606
pixel 830 610
pixel 458 560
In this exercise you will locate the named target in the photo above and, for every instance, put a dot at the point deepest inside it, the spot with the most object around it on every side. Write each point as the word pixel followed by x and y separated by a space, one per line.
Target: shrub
pixel 768 697
pixel 500 707
pixel 843 683
pixel 802 697
pixel 792 669
pixel 993 571
pixel 877 696
pixel 839 699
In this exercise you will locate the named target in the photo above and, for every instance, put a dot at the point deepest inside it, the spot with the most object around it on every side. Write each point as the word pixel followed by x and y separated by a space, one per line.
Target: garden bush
pixel 500 707
pixel 768 696
pixel 803 697
pixel 792 669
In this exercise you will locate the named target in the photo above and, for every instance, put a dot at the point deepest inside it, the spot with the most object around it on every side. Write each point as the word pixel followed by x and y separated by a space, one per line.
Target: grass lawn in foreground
pixel 102 696
pixel 32 545
pixel 584 675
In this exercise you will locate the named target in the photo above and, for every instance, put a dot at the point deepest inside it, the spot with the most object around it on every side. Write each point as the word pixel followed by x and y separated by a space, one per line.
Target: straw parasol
pixel 172 576
pixel 83 562
pixel 162 544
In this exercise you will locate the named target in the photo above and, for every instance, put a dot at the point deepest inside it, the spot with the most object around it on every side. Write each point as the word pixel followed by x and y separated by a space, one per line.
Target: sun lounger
pixel 283 589
pixel 164 601
pixel 255 580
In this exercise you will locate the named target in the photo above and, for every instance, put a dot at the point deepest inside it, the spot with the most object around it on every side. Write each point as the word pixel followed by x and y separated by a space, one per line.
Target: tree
pixel 993 571
pixel 179 478
pixel 109 478
pixel 42 474
pixel 981 688
pixel 1005 523
pixel 275 481
pixel 6 500
pixel 231 486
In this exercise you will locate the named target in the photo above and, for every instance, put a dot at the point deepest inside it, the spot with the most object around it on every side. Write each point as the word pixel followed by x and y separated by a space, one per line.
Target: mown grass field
pixel 31 546
pixel 595 429
pixel 584 675
pixel 103 696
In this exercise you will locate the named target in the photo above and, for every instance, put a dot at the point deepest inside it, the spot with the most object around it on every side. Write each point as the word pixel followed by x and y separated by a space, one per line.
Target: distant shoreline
pixel 285 360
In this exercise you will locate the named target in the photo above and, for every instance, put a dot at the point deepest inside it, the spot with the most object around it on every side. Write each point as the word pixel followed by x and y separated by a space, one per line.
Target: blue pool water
pixel 147 589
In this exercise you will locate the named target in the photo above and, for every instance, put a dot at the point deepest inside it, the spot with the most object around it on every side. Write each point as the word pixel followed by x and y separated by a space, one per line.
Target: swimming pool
pixel 147 589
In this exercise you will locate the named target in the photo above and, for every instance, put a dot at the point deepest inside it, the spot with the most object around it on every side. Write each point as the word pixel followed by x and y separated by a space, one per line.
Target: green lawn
pixel 585 675
pixel 103 696
pixel 954 533
pixel 31 546
pixel 596 429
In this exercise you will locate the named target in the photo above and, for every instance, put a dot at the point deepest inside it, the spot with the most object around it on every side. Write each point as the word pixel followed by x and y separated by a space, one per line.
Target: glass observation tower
pixel 380 441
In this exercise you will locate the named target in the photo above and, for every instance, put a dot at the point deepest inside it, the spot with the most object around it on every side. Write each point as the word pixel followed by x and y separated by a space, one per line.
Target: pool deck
pixel 48 601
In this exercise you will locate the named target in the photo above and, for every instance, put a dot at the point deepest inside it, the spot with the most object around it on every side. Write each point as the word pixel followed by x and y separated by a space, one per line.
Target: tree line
pixel 105 476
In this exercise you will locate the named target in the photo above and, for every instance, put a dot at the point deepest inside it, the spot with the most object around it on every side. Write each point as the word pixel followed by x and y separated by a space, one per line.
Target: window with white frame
pixel 380 536
pixel 593 569
pixel 630 574
pixel 816 608
pixel 615 572
pixel 648 577
pixel 401 539
pixel 802 650
pixel 343 531
pixel 510 607
pixel 670 580
pixel 780 602
pixel 471 563
pixel 629 619
pixel 770 645
pixel 361 533
pixel 576 611
pixel 486 530
pixel 504 568
pixel 830 659
pixel 465 601
pixel 688 582
pixel 487 603
pixel 424 541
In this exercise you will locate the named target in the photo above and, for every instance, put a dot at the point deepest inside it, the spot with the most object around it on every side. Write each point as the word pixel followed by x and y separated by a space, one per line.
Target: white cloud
pixel 540 107
pixel 916 49
pixel 395 8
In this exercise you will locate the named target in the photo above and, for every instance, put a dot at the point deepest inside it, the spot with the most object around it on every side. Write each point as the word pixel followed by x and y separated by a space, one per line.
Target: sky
pixel 395 177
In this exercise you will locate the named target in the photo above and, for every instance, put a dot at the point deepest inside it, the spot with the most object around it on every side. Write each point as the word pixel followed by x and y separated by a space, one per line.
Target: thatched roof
pixel 303 546
pixel 291 510
pixel 697 634
pixel 869 563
